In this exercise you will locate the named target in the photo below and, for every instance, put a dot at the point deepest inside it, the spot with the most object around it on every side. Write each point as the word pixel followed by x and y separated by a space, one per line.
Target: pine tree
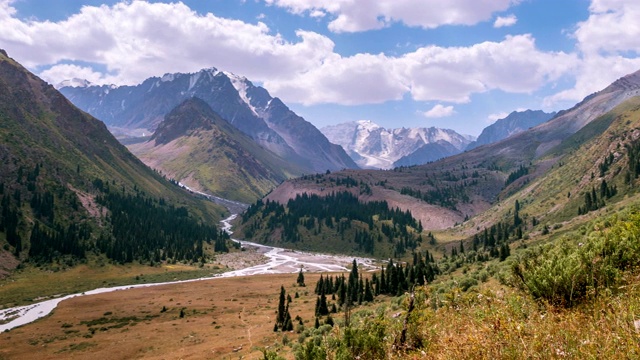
pixel 323 308
pixel 300 279
pixel 352 287
pixel 368 293
pixel 280 319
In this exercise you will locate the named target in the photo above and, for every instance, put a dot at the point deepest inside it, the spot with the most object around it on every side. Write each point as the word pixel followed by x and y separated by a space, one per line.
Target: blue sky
pixel 458 64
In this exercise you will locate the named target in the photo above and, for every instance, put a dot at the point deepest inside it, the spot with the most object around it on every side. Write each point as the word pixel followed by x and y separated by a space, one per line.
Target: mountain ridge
pixel 373 146
pixel 247 107
pixel 514 123
pixel 193 143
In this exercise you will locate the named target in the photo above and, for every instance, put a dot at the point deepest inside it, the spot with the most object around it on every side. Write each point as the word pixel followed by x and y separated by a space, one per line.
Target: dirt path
pixel 244 321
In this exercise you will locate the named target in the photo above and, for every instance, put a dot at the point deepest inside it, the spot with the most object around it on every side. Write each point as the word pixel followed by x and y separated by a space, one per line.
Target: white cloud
pixel 592 74
pixel 358 79
pixel 503 21
pixel 362 15
pixel 496 116
pixel 612 27
pixel 57 73
pixel 428 74
pixel 608 43
pixel 453 74
pixel 439 111
pixel 137 40
pixel 317 14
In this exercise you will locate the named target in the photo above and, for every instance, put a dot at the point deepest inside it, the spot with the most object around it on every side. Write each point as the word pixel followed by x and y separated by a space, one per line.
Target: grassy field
pixel 233 318
pixel 30 284
pixel 221 319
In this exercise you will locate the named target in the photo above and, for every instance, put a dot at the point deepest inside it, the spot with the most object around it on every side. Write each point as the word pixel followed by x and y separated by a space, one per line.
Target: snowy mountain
pixel 267 120
pixel 372 146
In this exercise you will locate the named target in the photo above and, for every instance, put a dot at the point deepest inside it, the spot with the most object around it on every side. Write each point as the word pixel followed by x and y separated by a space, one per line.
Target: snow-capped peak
pixel 75 82
pixel 367 125
pixel 373 146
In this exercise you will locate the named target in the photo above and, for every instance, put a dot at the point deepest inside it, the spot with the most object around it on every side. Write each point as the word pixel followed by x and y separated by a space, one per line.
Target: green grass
pixel 31 284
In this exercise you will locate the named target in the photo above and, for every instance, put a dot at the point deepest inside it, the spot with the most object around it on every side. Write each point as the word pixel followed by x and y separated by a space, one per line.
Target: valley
pixel 196 215
pixel 263 260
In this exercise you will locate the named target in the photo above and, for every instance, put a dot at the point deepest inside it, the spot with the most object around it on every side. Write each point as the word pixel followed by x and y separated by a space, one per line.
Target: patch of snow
pixel 241 85
pixel 193 80
pixel 167 77
pixel 211 72
pixel 155 84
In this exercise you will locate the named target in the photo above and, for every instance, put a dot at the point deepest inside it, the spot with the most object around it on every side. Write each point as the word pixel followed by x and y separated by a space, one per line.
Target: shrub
pixel 467 282
pixel 569 270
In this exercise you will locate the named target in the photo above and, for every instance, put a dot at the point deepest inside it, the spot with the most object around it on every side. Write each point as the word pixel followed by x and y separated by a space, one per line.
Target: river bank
pixel 263 260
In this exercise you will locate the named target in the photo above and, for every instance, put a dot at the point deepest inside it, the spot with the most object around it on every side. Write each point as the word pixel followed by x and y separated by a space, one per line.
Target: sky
pixel 457 64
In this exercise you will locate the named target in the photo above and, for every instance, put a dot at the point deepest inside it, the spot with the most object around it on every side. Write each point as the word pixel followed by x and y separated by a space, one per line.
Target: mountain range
pixel 550 169
pixel 267 120
pixel 372 146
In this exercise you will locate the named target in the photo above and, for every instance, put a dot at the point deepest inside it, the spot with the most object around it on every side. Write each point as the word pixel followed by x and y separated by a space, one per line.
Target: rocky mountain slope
pixel 427 153
pixel 373 146
pixel 68 187
pixel 249 108
pixel 193 143
pixel 514 123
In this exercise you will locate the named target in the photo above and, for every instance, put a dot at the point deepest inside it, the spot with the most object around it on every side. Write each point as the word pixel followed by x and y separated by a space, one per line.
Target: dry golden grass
pixel 223 318
pixel 505 324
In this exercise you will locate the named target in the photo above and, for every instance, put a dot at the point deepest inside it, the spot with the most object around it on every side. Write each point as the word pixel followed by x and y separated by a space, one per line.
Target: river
pixel 279 261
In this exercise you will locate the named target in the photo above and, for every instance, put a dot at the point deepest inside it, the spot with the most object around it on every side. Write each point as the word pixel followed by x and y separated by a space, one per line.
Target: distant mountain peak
pixel 193 139
pixel 373 146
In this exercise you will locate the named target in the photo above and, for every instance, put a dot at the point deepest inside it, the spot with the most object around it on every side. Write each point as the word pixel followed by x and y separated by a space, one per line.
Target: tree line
pixel 370 227
pixel 42 223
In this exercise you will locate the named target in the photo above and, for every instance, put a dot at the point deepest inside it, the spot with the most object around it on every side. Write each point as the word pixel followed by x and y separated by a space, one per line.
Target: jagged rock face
pixel 247 107
pixel 373 146
pixel 516 122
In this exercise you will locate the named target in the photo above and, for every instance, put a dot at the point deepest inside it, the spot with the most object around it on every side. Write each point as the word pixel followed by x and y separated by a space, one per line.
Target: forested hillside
pixel 69 191
pixel 338 222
